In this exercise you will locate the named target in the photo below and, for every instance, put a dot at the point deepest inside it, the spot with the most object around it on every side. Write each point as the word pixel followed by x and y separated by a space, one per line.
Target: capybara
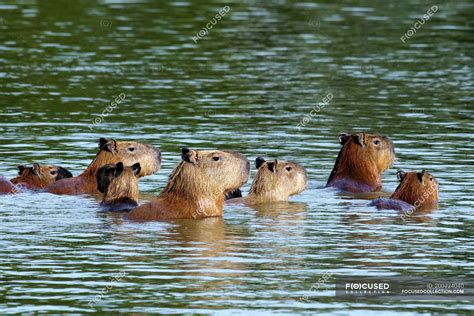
pixel 416 191
pixel 119 184
pixel 39 176
pixel 361 161
pixel 110 152
pixel 6 186
pixel 197 186
pixel 275 181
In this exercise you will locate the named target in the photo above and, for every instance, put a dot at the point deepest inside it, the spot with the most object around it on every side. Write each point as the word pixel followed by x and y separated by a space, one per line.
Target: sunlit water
pixel 245 86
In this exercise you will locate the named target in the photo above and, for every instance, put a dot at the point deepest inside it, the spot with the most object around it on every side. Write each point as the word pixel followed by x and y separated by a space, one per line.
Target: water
pixel 245 86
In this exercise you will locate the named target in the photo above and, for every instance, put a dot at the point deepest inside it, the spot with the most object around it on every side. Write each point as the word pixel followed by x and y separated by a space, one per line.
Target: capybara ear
pixel 136 168
pixel 36 168
pixel 63 173
pixel 21 168
pixel 401 175
pixel 259 162
pixel 420 175
pixel 108 144
pixel 360 139
pixel 273 166
pixel 118 169
pixel 189 155
pixel 343 138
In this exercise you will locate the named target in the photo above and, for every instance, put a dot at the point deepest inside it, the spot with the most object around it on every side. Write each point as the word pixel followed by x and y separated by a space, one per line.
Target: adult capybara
pixel 275 181
pixel 119 184
pixel 416 191
pixel 197 186
pixel 110 152
pixel 361 161
pixel 39 176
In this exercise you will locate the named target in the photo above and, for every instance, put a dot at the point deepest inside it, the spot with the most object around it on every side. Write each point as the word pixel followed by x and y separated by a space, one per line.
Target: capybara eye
pixel 131 149
pixel 431 178
pixel 288 168
pixel 377 142
pixel 216 158
pixel 53 173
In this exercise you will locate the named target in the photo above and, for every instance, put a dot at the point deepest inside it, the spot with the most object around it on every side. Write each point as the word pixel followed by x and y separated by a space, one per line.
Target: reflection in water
pixel 245 86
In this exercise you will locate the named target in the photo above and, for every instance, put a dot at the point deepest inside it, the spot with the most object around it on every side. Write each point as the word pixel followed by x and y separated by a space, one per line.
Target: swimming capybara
pixel 119 184
pixel 39 176
pixel 6 186
pixel 110 152
pixel 275 181
pixel 416 191
pixel 197 186
pixel 361 161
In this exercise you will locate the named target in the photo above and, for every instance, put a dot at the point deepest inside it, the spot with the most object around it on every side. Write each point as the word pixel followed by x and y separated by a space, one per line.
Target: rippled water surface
pixel 246 86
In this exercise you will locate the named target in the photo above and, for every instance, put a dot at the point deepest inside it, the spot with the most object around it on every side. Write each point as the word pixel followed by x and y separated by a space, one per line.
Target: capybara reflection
pixel 416 191
pixel 197 186
pixel 39 176
pixel 110 152
pixel 275 181
pixel 361 161
pixel 119 184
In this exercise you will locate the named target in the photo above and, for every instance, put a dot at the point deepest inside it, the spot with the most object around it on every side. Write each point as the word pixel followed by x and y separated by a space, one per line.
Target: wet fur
pixel 196 187
pixel 360 163
pixel 274 183
pixel 416 191
pixel 39 176
pixel 119 185
pixel 110 152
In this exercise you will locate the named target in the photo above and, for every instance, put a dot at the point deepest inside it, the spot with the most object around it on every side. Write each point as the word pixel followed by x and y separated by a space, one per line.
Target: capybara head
pixel 361 161
pixel 277 180
pixel 129 153
pixel 39 176
pixel 119 183
pixel 417 188
pixel 208 172
pixel 374 147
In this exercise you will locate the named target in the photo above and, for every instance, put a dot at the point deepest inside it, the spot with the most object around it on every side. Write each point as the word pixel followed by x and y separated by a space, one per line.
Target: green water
pixel 245 86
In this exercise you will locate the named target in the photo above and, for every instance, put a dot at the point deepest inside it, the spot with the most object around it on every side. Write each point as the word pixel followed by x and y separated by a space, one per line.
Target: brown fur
pixel 197 186
pixel 119 185
pixel 275 181
pixel 361 161
pixel 419 189
pixel 39 176
pixel 6 186
pixel 110 152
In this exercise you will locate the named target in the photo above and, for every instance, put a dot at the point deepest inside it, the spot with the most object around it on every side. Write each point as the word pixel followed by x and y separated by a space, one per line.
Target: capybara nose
pixel 248 166
pixel 158 154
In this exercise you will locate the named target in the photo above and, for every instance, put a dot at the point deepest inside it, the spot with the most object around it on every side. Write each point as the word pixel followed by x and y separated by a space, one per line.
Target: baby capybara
pixel 275 181
pixel 416 191
pixel 39 176
pixel 119 184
